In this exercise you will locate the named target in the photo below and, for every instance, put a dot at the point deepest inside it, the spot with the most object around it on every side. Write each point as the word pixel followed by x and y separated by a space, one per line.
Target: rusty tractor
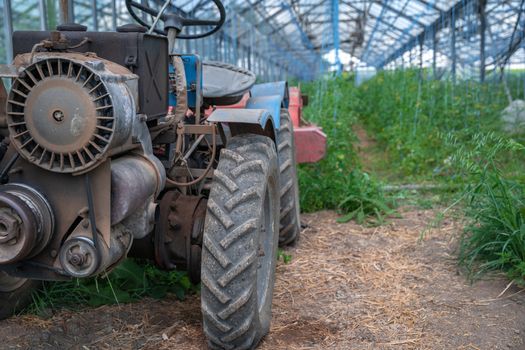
pixel 107 152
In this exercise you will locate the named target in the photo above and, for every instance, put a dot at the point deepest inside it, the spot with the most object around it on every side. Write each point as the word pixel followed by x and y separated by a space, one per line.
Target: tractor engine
pixel 66 113
pixel 79 175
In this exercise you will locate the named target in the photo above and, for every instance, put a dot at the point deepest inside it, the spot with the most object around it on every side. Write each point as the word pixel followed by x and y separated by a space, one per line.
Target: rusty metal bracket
pixel 178 233
pixel 207 129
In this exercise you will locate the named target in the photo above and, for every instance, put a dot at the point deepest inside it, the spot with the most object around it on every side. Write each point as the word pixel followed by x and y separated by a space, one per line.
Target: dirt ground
pixel 347 287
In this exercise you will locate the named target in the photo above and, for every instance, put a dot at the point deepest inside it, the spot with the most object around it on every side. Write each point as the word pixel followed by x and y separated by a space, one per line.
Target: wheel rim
pixel 9 283
pixel 265 251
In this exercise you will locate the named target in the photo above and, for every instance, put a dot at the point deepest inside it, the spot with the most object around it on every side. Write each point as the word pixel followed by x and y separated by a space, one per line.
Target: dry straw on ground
pixel 347 287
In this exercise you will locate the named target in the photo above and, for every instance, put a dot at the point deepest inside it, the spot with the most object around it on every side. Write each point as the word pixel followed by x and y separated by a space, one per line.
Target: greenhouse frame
pixel 303 39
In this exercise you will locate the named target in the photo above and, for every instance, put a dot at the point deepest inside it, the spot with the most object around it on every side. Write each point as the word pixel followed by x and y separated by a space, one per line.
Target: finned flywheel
pixel 60 115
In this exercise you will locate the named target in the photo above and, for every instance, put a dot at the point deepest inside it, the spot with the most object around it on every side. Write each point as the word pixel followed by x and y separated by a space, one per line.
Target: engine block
pixel 67 113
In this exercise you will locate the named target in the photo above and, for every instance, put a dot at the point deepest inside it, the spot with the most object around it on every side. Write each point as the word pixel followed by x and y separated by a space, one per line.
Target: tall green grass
pixel 494 207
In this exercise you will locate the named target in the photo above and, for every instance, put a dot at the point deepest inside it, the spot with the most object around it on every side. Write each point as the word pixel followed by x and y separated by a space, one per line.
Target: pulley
pixel 26 223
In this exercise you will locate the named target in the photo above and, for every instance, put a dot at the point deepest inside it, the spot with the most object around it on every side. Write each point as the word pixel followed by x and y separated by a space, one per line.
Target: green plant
pixel 128 282
pixel 283 256
pixel 408 112
pixel 337 182
pixel 365 201
pixel 494 237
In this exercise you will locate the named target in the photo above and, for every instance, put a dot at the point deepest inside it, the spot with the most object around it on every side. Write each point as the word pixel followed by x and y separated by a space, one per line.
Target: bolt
pixel 9 227
pixel 53 253
pixel 58 116
pixel 76 259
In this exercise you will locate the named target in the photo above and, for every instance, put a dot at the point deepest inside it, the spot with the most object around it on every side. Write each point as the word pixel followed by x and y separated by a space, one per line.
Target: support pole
pixel 434 54
pixel 42 8
pixel 64 11
pixel 114 14
pixel 483 28
pixel 8 30
pixel 453 45
pixel 94 15
pixel 335 30
pixel 71 11
pixel 421 41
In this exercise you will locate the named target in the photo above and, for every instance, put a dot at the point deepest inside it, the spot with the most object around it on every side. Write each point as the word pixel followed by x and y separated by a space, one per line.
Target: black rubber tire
pixel 290 220
pixel 17 299
pixel 238 255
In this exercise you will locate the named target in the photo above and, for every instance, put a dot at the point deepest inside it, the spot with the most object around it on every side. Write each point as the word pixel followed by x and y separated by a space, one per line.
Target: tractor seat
pixel 224 84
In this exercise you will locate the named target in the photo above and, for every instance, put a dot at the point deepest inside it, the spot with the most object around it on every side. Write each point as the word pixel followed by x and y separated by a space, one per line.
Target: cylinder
pixel 134 181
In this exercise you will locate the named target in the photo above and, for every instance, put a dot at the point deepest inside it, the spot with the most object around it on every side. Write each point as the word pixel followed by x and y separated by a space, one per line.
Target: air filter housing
pixel 66 112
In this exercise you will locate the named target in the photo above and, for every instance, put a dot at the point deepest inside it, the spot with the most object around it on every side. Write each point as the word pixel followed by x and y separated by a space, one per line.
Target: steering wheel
pixel 174 20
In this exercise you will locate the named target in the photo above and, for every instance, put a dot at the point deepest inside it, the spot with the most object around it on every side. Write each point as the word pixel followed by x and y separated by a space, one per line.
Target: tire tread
pixel 229 311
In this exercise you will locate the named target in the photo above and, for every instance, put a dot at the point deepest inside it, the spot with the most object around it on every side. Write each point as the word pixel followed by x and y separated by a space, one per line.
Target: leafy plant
pixel 128 282
pixel 365 201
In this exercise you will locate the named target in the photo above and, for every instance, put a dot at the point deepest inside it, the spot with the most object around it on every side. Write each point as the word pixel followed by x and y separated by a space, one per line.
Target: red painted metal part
pixel 310 144
pixel 310 140
pixel 295 108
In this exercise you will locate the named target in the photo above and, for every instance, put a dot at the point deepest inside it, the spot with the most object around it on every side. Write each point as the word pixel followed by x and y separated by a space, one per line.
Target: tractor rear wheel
pixel 15 294
pixel 241 234
pixel 290 222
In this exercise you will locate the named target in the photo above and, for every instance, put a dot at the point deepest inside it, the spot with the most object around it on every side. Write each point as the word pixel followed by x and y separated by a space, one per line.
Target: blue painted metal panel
pixel 279 88
pixel 272 104
pixel 249 116
pixel 193 71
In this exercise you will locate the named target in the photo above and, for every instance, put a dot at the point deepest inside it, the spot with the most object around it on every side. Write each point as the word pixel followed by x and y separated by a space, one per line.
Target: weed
pixel 365 201
pixel 128 282
pixel 494 237
pixel 282 256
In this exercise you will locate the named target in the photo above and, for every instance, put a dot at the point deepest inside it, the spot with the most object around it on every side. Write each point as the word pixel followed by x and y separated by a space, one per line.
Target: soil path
pixel 347 287
pixel 374 159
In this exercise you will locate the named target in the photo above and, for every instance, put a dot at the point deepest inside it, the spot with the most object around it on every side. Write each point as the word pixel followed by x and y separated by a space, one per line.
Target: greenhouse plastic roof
pixel 375 31
pixel 295 35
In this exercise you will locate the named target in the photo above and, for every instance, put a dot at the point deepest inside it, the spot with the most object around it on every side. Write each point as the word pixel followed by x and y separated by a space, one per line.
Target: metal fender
pixel 257 121
pixel 279 88
pixel 270 96
pixel 244 116
pixel 264 104
pixel 272 104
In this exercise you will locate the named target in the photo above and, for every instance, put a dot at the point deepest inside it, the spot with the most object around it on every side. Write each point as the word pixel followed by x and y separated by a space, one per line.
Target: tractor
pixel 107 153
